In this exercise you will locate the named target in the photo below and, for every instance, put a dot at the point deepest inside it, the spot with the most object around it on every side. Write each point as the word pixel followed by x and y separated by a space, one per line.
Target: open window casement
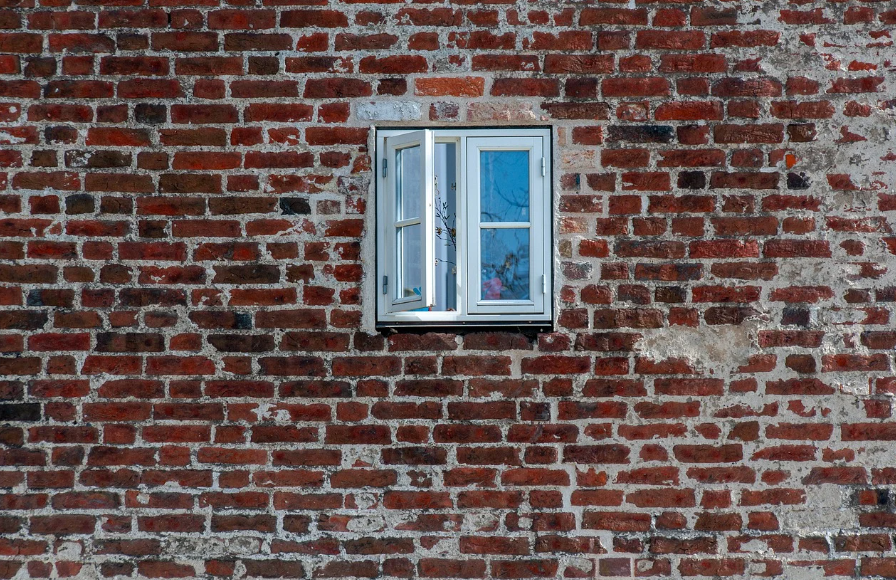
pixel 408 170
pixel 463 226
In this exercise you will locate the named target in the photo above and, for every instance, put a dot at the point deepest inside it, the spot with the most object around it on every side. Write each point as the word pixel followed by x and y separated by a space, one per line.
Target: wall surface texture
pixel 192 385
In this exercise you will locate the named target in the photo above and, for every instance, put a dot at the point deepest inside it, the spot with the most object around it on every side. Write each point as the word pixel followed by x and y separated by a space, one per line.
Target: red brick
pixel 457 87
pixel 635 87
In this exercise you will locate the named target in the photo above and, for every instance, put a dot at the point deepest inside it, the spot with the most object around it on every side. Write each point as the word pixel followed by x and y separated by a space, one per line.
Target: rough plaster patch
pixel 807 521
pixel 756 546
pixel 239 571
pixel 815 272
pixel 353 185
pixel 806 573
pixel 212 546
pixel 818 497
pixel 502 112
pixel 80 158
pixel 269 412
pixel 366 500
pixel 716 350
pixel 356 455
pixel 481 521
pixel 69 550
pixel 366 524
pixel 643 565
pixel 87 572
pixel 853 384
pixel 389 111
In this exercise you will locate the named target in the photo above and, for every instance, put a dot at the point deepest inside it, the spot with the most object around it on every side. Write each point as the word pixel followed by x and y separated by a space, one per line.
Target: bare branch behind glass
pixel 446 226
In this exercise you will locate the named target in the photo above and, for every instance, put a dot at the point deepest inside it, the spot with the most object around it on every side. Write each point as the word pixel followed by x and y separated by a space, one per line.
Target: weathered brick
pixel 188 339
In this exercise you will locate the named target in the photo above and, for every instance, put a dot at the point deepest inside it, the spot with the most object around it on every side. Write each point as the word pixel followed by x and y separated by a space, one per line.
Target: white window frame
pixel 421 139
pixel 470 309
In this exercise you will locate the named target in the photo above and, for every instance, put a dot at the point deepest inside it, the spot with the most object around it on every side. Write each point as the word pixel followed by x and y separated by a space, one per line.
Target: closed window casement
pixel 463 226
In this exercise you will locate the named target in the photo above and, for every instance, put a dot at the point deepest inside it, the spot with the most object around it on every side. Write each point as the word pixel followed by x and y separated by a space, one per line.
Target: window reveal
pixel 463 226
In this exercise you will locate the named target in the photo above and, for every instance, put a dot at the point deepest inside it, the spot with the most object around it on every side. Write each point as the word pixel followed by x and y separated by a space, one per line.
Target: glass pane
pixel 504 186
pixel 408 168
pixel 505 263
pixel 445 210
pixel 410 261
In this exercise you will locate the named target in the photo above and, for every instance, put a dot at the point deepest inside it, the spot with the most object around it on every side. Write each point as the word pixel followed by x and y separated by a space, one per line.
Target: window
pixel 463 226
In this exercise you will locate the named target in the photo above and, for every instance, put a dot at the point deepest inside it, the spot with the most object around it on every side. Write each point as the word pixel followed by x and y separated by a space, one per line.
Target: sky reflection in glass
pixel 504 186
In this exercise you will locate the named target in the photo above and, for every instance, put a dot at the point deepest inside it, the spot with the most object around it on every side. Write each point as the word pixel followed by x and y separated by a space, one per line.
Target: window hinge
pixel 385 165
pixel 543 167
pixel 544 284
pixel 385 284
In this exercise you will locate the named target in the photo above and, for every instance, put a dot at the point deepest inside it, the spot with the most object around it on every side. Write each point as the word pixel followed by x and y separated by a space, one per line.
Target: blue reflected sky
pixel 504 186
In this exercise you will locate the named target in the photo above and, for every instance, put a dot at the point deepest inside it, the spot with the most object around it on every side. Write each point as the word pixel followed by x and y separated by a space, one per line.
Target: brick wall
pixel 192 384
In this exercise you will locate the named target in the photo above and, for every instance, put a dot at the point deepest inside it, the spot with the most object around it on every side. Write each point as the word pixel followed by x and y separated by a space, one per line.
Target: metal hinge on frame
pixel 544 284
pixel 385 167
pixel 385 284
pixel 543 167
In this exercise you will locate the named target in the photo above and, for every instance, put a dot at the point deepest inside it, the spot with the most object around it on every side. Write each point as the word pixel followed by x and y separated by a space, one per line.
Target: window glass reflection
pixel 504 186
pixel 408 167
pixel 410 261
pixel 505 264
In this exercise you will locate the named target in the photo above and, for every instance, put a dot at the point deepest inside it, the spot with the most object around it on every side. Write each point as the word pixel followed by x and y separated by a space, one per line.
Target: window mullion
pixel 472 235
pixel 428 220
pixel 463 227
